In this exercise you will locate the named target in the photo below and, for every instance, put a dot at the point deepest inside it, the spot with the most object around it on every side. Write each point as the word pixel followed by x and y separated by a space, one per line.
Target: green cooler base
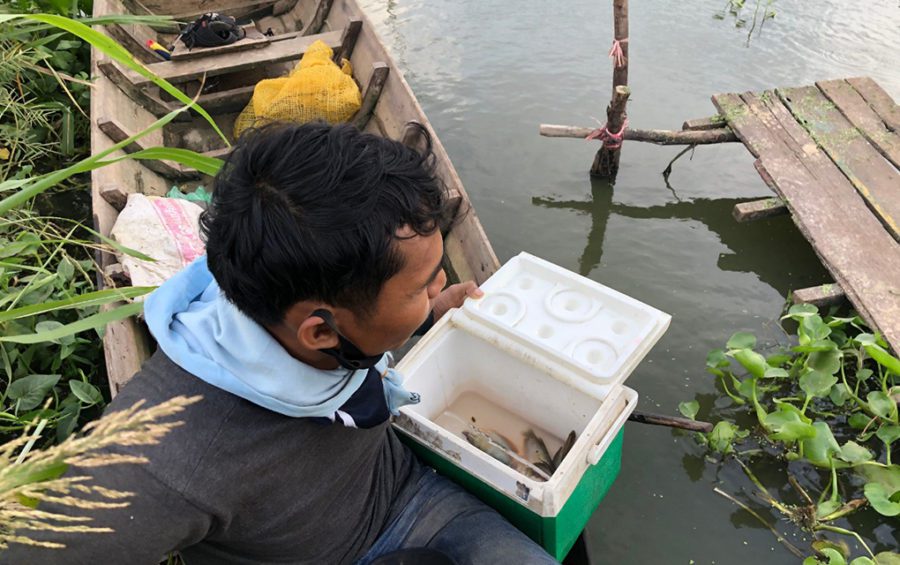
pixel 556 534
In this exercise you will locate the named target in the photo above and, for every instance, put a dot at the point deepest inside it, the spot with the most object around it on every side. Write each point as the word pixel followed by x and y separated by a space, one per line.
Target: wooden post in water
pixel 620 23
pixel 606 162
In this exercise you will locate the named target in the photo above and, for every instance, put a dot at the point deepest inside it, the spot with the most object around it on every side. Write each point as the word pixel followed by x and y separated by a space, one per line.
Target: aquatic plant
pixel 735 10
pixel 827 403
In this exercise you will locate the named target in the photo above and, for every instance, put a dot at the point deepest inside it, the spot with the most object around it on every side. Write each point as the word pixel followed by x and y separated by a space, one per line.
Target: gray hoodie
pixel 238 483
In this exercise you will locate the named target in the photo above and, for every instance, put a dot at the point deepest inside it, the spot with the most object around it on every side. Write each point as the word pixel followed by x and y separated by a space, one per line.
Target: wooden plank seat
pixel 170 170
pixel 212 65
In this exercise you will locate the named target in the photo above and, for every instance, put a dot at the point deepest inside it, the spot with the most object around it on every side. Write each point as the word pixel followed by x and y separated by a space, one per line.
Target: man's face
pixel 406 298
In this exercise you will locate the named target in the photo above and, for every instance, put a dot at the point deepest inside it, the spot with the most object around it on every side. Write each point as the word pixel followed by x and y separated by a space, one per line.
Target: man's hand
pixel 453 297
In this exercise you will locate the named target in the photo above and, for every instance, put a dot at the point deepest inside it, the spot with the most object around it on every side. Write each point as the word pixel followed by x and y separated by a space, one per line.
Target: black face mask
pixel 346 353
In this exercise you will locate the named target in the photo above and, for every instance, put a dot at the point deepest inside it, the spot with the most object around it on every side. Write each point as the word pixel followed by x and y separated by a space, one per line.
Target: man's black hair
pixel 311 212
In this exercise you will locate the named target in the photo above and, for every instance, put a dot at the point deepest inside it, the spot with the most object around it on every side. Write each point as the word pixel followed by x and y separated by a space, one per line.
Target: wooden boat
pixel 124 103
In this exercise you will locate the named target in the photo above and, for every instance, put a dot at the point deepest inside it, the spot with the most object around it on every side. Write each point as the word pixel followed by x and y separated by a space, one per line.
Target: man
pixel 324 251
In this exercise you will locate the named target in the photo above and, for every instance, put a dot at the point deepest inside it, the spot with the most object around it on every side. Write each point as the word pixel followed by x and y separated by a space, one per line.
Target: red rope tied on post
pixel 610 140
pixel 616 54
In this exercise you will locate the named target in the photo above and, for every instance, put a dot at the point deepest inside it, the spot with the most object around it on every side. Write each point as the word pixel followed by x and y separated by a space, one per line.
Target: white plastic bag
pixel 166 229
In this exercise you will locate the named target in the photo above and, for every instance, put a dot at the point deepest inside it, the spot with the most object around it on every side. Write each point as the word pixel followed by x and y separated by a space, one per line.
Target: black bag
pixel 211 30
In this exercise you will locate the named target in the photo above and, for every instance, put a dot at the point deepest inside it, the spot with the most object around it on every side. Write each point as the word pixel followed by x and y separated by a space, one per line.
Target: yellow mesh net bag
pixel 316 89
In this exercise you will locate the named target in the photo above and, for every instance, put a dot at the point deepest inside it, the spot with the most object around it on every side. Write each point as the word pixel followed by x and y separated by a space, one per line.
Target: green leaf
pixel 29 392
pixel 817 384
pixel 689 409
pixel 716 359
pixel 839 394
pixel 852 452
pixel 834 557
pixel 91 322
pixel 50 326
pixel 778 359
pixel 864 374
pixel 859 421
pixel 799 311
pixel 723 435
pixel 814 328
pixel 881 404
pixel 883 358
pixel 813 346
pixel 65 269
pixel 827 507
pixel 19 475
pixel 825 361
pixel 820 449
pixel 752 361
pixel 775 373
pixel 865 339
pixel 206 165
pixel 862 561
pixel 86 392
pixel 97 298
pixel 880 499
pixel 888 433
pixel 742 340
pixel 887 558
pixel 794 431
pixel 68 420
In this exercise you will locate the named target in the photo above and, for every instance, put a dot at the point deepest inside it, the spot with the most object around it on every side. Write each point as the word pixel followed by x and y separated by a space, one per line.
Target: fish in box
pixel 544 353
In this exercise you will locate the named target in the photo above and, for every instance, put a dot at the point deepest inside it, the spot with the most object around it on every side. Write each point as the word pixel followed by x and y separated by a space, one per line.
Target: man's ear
pixel 314 333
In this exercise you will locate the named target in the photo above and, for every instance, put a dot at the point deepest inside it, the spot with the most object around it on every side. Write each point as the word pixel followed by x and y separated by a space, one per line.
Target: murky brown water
pixel 488 72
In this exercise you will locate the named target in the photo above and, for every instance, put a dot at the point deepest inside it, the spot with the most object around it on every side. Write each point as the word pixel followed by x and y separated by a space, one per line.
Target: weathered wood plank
pixel 855 108
pixel 140 96
pixel 852 244
pixel 252 40
pixel 759 209
pixel 380 73
pixel 322 10
pixel 657 136
pixel 879 100
pixel 212 65
pixel 700 124
pixel 116 133
pixel 114 194
pixel 875 179
pixel 820 296
pixel 132 44
pixel 348 41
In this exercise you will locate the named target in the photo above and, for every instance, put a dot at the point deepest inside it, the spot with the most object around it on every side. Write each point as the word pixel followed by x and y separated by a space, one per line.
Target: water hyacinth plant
pixel 827 403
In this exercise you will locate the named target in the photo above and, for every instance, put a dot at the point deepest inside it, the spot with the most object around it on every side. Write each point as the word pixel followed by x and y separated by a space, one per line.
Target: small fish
pixel 564 449
pixel 535 448
pixel 509 458
pixel 503 441
pixel 480 440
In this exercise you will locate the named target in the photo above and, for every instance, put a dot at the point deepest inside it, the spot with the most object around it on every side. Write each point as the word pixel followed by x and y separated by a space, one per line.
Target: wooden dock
pixel 831 152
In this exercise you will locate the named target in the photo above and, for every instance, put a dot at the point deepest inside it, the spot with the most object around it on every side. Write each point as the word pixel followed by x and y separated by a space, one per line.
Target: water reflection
pixel 752 244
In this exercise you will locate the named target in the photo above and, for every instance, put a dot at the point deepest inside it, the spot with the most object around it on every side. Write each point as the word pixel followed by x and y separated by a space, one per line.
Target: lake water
pixel 488 72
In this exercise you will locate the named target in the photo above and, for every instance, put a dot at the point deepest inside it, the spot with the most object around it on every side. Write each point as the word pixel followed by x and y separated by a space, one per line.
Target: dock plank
pixel 878 100
pixel 855 108
pixel 853 245
pixel 875 179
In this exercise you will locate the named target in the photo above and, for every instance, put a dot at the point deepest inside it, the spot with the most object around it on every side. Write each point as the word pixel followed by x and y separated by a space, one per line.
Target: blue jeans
pixel 442 516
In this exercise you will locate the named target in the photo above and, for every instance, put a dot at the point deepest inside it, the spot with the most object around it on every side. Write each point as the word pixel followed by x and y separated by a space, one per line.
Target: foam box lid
pixel 590 329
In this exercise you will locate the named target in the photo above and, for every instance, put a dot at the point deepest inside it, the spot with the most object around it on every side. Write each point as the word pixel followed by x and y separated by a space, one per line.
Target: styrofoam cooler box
pixel 545 349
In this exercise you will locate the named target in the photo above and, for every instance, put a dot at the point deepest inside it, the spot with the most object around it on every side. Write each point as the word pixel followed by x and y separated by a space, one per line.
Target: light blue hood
pixel 206 335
